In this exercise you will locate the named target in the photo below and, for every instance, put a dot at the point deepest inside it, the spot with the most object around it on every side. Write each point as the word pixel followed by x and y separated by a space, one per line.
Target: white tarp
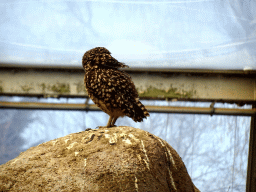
pixel 213 34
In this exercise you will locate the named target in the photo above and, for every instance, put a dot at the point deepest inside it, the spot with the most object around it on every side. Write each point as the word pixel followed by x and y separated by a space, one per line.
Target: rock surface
pixel 106 159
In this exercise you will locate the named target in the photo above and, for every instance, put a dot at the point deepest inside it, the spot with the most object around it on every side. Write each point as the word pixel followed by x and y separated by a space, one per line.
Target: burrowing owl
pixel 111 89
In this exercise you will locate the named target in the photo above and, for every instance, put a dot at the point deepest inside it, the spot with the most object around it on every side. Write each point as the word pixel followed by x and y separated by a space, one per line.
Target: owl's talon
pixel 101 127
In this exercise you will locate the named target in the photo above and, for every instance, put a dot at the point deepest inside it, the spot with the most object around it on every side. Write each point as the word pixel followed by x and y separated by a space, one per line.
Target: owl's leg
pixel 109 121
pixel 113 121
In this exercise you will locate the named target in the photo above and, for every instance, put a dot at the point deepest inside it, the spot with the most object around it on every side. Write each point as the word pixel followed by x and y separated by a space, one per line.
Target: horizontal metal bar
pixel 11 66
pixel 231 86
pixel 150 108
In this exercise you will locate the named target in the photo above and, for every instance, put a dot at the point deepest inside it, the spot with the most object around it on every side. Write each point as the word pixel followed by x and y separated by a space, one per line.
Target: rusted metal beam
pixel 150 108
pixel 231 86
pixel 13 67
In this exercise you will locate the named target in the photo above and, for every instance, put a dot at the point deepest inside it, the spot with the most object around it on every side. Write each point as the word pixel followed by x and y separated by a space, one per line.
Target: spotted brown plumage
pixel 111 89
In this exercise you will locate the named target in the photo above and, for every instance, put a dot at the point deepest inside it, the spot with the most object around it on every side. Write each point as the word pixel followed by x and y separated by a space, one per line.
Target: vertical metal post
pixel 251 170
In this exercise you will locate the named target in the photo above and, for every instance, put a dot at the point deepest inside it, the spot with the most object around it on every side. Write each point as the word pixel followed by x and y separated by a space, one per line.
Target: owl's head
pixel 100 57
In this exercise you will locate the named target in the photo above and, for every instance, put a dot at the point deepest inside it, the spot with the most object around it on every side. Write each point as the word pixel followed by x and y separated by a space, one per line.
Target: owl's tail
pixel 140 111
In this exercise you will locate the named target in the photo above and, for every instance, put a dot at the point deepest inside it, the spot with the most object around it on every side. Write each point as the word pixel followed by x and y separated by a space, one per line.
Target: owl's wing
pixel 112 85
pixel 116 90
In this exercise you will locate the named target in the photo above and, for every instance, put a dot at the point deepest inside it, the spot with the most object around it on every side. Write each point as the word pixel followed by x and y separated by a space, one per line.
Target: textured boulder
pixel 106 159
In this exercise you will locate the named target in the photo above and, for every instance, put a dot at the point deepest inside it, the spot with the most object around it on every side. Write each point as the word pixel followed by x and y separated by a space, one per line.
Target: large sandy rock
pixel 113 159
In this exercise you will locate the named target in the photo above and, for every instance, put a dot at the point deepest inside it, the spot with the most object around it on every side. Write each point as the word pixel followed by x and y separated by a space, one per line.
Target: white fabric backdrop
pixel 213 34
